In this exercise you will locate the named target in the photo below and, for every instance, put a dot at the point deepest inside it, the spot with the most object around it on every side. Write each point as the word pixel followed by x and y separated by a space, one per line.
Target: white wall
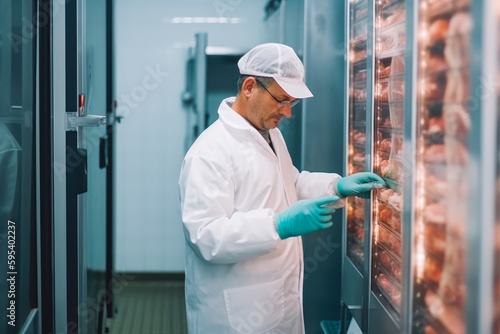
pixel 150 138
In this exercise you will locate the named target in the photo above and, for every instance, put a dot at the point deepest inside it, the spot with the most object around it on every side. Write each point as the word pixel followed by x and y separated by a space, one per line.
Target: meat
pixel 385 259
pixel 396 270
pixel 435 213
pixel 434 240
pixel 391 218
pixel 356 251
pixel 436 62
pixel 358 55
pixel 389 240
pixel 384 167
pixel 383 93
pixel 384 70
pixel 390 289
pixel 396 201
pixel 359 213
pixel 434 88
pixel 436 4
pixel 359 137
pixel 358 232
pixel 359 158
pixel 435 154
pixel 385 145
pixel 436 186
pixel 387 123
pixel 452 152
pixel 436 125
pixel 385 194
pixel 449 316
pixel 456 117
pixel 438 29
pixel 432 270
pixel 430 330
pixel 359 38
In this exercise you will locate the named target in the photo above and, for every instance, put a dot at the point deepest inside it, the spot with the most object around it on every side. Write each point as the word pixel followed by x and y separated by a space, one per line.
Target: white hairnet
pixel 279 62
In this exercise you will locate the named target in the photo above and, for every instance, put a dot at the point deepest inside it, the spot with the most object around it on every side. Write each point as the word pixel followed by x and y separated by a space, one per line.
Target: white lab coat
pixel 240 276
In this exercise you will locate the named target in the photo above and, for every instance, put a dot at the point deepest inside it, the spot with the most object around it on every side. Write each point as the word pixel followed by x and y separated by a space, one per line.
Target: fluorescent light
pixel 221 20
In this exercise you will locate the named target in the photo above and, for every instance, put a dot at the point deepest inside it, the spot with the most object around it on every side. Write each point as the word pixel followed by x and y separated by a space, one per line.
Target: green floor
pixel 150 307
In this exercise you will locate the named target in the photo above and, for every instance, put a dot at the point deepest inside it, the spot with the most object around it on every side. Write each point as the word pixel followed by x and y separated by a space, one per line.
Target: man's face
pixel 264 112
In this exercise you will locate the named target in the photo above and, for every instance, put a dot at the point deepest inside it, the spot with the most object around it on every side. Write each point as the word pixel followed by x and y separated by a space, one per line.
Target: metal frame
pixel 59 160
pixel 81 86
pixel 409 149
pixel 482 168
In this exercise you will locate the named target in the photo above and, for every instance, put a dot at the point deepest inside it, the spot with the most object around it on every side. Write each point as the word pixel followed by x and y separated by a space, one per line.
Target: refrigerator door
pixel 356 141
pixel 388 157
pixel 356 230
pixel 441 203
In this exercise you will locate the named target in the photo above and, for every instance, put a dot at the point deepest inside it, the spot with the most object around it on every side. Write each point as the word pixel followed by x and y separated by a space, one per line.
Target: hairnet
pixel 279 62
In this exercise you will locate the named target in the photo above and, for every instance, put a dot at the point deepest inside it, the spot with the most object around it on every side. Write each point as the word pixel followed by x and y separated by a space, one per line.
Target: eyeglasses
pixel 280 103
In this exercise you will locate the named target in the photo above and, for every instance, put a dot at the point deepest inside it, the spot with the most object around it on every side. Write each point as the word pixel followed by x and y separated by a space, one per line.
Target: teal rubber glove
pixel 305 216
pixel 360 184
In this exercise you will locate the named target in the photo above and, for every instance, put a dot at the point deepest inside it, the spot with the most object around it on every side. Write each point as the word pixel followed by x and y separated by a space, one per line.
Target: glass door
pixel 18 268
pixel 443 123
pixel 389 98
pixel 86 163
pixel 357 82
pixel 94 140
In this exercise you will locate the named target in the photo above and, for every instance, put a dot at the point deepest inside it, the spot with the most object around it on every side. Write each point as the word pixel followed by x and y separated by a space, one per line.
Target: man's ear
pixel 248 86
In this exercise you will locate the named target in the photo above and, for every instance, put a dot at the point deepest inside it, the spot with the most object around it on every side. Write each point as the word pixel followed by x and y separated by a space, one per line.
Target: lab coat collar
pixel 231 117
pixel 234 120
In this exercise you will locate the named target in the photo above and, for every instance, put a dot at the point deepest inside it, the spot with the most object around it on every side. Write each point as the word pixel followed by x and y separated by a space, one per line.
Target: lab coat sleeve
pixel 312 185
pixel 212 228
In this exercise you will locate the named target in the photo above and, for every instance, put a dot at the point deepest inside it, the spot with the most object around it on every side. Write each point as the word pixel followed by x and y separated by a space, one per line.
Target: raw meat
pixel 435 213
pixel 359 137
pixel 391 218
pixel 436 62
pixel 384 167
pixel 438 29
pixel 385 194
pixel 389 240
pixel 449 316
pixel 436 186
pixel 436 125
pixel 384 70
pixel 359 157
pixel 385 145
pixel 434 240
pixel 435 154
pixel 432 270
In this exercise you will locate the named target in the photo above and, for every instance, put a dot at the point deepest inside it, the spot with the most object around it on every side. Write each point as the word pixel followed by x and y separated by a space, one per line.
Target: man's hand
pixel 360 184
pixel 305 216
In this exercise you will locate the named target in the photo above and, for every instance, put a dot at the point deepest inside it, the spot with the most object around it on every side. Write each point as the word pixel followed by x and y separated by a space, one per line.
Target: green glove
pixel 360 184
pixel 305 216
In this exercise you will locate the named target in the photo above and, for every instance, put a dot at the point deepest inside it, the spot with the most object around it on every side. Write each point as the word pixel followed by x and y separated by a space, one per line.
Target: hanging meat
pixel 449 299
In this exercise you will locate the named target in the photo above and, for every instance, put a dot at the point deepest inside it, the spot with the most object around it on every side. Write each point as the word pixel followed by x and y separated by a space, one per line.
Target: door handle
pixel 77 119
pixel 73 121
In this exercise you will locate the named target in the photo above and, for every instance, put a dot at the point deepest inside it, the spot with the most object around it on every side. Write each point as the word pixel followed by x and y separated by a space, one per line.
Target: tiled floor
pixel 150 307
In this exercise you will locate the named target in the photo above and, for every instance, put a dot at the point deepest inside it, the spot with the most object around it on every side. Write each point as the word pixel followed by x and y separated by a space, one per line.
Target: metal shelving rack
pixel 436 150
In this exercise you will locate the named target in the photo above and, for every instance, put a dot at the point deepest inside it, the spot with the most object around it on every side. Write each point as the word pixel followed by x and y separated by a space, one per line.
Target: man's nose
pixel 286 111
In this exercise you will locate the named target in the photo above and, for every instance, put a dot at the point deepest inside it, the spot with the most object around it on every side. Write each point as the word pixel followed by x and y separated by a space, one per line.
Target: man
pixel 244 204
